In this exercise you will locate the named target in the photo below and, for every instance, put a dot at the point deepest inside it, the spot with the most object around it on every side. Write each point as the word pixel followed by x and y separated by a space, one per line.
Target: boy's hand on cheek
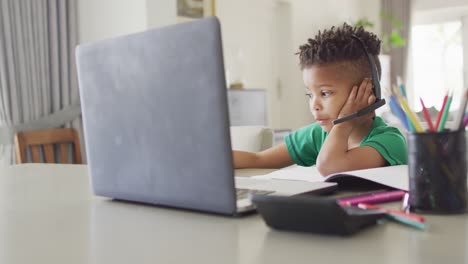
pixel 358 99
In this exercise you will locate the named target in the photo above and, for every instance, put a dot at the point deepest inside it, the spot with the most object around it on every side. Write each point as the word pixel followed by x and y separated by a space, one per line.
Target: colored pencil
pixel 410 219
pixel 445 114
pixel 373 198
pixel 439 116
pixel 398 112
pixel 406 221
pixel 395 108
pixel 410 115
pixel 411 216
pixel 401 86
pixel 458 124
pixel 426 115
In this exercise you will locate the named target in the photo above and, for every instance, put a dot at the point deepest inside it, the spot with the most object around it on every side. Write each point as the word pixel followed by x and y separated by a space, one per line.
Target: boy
pixel 336 74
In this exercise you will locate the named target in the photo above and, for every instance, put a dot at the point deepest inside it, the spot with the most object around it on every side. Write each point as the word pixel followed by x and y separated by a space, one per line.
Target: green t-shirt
pixel 304 144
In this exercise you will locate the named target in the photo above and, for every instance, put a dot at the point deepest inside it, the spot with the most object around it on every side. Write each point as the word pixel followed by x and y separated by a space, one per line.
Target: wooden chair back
pixel 48 141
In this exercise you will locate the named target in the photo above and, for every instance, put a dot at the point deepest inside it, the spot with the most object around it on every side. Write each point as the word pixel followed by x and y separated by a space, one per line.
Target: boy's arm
pixel 274 157
pixel 335 155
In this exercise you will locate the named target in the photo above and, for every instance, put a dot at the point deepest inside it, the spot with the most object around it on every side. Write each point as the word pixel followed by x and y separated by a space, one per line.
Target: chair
pixel 48 141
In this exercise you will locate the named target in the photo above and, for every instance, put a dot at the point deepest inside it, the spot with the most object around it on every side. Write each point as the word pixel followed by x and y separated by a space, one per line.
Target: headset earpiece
pixel 375 87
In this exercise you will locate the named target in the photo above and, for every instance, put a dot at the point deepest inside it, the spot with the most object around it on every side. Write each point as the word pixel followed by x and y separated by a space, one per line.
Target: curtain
pixel 401 11
pixel 38 83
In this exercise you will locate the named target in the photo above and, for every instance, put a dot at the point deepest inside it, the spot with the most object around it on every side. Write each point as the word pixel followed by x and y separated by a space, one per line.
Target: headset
pixel 375 87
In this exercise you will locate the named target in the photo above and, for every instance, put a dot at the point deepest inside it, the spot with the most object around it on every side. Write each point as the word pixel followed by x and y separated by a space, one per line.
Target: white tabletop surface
pixel 48 215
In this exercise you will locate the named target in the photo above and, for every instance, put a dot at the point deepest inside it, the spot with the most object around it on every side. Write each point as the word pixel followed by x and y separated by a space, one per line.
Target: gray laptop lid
pixel 155 117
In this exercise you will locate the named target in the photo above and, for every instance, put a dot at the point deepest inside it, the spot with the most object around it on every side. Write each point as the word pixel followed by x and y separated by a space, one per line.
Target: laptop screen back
pixel 155 116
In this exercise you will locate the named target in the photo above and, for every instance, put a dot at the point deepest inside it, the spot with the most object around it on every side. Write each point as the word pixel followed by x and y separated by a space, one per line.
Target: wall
pixel 245 28
pixel 247 44
pixel 100 19
pixel 161 12
pixel 438 11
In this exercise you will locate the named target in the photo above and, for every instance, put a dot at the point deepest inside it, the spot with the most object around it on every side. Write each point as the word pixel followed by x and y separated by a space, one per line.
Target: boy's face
pixel 329 87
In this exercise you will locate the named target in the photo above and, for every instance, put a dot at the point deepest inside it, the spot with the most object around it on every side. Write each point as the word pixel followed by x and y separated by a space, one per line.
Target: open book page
pixel 392 176
pixel 295 173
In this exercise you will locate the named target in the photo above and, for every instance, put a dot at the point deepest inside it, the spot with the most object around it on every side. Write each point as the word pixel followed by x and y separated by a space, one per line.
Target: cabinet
pixel 247 107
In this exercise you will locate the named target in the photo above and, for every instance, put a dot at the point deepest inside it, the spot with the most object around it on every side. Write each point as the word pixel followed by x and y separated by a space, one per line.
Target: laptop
pixel 156 124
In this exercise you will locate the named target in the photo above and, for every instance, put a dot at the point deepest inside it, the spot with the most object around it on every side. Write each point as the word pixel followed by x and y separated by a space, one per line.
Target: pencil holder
pixel 437 172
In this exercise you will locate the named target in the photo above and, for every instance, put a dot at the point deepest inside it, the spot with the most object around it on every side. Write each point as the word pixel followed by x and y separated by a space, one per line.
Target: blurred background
pixel 425 43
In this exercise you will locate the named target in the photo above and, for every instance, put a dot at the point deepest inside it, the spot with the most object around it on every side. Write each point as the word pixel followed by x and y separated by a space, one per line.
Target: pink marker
pixel 373 198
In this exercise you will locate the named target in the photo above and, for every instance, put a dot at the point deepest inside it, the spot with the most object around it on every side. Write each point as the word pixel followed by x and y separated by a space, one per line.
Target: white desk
pixel 48 215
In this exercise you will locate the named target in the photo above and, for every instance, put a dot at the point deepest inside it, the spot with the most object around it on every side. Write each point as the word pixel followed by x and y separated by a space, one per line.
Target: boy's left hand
pixel 358 99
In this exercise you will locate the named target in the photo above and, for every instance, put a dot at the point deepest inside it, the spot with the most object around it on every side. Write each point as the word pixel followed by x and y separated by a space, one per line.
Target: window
pixel 437 62
pixel 438 55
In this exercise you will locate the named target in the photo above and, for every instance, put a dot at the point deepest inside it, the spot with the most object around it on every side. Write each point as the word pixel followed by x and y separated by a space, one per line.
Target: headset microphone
pixel 375 87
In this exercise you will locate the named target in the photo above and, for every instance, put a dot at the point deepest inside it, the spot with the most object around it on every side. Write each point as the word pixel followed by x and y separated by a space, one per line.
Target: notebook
pixel 392 176
pixel 156 123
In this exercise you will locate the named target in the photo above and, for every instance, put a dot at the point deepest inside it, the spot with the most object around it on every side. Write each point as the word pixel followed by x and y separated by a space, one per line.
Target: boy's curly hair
pixel 336 46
